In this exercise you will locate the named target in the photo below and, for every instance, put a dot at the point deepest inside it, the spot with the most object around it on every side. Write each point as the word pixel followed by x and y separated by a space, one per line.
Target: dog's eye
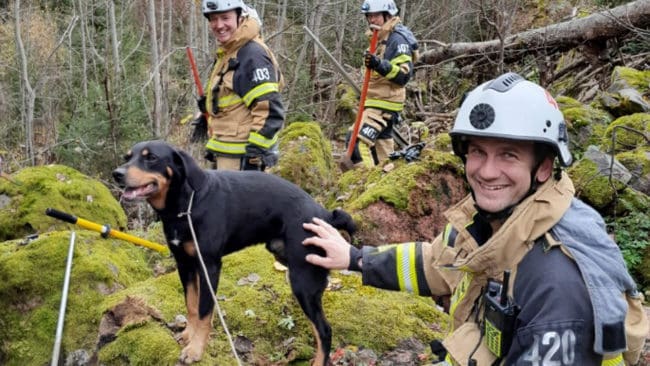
pixel 150 158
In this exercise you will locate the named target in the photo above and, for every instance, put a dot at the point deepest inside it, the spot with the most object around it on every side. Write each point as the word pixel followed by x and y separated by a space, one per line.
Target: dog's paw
pixel 190 354
pixel 183 338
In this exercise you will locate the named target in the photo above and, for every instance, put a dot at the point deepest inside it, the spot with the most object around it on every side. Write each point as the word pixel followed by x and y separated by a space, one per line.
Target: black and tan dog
pixel 229 211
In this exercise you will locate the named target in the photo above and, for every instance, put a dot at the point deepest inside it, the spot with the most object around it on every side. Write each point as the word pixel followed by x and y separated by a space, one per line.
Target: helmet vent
pixel 482 116
pixel 505 82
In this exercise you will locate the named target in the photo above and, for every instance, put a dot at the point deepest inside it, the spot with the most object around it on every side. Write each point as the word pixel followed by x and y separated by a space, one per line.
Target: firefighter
pixel 392 67
pixel 527 271
pixel 243 104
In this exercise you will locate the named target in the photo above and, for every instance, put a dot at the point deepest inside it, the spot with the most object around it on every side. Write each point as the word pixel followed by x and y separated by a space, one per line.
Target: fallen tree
pixel 589 31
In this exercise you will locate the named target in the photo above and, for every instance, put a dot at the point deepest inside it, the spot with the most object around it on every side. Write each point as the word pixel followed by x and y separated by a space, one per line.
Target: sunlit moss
pixel 630 131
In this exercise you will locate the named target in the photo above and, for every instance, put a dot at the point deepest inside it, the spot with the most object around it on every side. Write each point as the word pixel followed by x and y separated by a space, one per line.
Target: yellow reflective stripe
pixel 384 104
pixel 232 148
pixel 401 59
pixel 393 72
pixel 260 140
pixel 616 361
pixel 229 100
pixel 258 91
pixel 460 292
pixel 446 233
pixel 366 155
pixel 406 275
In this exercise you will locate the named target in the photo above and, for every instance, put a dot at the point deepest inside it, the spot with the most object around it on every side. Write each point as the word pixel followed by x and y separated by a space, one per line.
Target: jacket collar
pixel 533 217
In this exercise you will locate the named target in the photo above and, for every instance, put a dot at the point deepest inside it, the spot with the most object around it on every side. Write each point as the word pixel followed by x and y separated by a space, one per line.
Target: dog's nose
pixel 118 175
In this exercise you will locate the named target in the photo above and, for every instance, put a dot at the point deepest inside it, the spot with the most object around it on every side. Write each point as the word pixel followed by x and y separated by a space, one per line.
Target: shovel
pixel 346 161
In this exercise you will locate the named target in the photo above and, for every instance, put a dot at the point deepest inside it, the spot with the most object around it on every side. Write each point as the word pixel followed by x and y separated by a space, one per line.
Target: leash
pixel 205 273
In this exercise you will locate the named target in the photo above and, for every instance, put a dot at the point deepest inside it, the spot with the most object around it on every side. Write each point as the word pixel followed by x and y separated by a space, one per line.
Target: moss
pixel 255 307
pixel 393 187
pixel 348 97
pixel 59 187
pixel 592 186
pixel 31 279
pixel 442 142
pixel 306 157
pixel 637 79
pixel 629 132
pixel 636 161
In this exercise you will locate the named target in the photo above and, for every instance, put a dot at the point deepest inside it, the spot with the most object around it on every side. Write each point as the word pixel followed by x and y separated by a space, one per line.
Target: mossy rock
pixel 258 307
pixel 637 161
pixel 586 124
pixel 630 77
pixel 594 187
pixel 629 132
pixel 405 202
pixel 306 157
pixel 32 190
pixel 31 282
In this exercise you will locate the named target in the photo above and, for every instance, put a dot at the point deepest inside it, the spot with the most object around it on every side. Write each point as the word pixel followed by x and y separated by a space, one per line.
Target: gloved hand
pixel 200 132
pixel 373 62
pixel 201 104
pixel 259 156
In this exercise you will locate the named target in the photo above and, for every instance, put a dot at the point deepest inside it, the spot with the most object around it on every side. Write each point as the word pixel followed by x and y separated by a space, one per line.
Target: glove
pixel 257 158
pixel 371 61
pixel 201 104
pixel 200 132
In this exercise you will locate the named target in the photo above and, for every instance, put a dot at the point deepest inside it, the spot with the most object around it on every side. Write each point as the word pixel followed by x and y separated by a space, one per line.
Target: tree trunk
pixel 156 115
pixel 561 36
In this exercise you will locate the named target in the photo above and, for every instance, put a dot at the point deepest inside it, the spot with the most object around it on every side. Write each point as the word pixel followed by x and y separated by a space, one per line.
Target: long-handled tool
pixel 64 301
pixel 400 140
pixel 106 230
pixel 346 162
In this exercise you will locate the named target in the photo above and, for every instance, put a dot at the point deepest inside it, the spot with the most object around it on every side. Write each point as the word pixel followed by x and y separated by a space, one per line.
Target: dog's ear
pixel 187 166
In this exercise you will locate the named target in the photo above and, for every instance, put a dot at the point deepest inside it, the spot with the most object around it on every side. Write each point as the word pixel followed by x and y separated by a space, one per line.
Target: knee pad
pixel 372 125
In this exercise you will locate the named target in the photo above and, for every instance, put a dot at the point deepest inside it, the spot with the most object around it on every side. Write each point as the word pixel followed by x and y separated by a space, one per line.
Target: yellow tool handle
pixel 106 231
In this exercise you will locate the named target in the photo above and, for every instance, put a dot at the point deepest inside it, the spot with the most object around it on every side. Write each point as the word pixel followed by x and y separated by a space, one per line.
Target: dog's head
pixel 152 169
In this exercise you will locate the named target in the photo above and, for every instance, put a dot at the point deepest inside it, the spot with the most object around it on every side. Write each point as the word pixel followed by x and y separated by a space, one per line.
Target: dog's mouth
pixel 143 191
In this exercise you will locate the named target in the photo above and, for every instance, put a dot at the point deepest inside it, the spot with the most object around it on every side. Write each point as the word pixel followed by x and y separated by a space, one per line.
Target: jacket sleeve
pixel 398 58
pixel 257 82
pixel 396 267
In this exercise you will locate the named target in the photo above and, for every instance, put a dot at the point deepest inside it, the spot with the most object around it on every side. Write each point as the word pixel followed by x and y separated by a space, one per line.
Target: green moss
pixel 306 157
pixel 348 97
pixel 256 309
pixel 592 186
pixel 636 161
pixel 637 79
pixel 393 187
pixel 59 187
pixel 31 279
pixel 629 132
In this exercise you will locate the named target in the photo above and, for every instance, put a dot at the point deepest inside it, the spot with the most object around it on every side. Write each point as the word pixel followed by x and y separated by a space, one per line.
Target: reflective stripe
pixel 406 274
pixel 401 59
pixel 258 91
pixel 366 155
pixel 460 292
pixel 393 72
pixel 445 235
pixel 229 100
pixel 616 361
pixel 384 104
pixel 260 140
pixel 231 148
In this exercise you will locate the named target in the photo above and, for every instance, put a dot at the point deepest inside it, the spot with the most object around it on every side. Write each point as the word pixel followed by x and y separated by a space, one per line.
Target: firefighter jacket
pixel 575 302
pixel 243 94
pixel 397 45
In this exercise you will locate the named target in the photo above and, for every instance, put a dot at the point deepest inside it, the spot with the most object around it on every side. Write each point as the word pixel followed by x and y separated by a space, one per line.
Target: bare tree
pixel 156 115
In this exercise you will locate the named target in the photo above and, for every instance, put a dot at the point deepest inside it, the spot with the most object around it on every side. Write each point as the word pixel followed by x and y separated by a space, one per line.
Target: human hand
pixel 371 61
pixel 337 249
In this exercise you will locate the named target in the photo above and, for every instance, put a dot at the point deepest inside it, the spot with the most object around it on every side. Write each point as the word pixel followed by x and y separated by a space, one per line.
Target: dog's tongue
pixel 134 193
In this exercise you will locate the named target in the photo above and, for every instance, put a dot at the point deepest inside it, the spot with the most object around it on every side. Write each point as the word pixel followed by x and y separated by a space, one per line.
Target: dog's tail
pixel 343 221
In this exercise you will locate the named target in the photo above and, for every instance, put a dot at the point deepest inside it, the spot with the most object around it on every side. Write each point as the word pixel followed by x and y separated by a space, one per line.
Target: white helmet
pixel 378 6
pixel 218 6
pixel 511 107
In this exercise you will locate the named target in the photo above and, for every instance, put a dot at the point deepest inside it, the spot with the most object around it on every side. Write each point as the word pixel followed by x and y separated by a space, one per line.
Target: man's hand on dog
pixel 337 249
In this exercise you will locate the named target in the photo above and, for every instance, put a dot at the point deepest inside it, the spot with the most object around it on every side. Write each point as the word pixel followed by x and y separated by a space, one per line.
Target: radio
pixel 499 316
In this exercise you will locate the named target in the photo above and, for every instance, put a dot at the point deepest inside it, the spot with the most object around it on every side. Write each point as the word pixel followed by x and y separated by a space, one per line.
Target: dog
pixel 230 210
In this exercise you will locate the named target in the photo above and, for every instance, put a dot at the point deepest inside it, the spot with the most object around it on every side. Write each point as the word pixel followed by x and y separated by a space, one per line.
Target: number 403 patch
pixel 261 74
